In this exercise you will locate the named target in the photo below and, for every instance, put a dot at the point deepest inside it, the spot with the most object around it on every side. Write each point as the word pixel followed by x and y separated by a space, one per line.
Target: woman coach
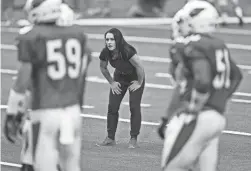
pixel 129 74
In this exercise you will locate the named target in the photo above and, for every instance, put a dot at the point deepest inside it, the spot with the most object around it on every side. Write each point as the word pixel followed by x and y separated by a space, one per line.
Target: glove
pixel 162 128
pixel 12 126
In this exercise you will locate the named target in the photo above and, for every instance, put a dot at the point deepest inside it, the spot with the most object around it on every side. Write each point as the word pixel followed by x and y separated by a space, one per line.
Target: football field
pixel 152 44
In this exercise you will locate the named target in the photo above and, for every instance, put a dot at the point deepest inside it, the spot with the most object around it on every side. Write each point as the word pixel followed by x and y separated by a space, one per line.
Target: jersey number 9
pixel 222 79
pixel 62 64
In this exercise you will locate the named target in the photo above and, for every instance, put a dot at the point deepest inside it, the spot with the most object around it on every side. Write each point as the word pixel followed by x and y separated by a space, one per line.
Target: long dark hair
pixel 122 47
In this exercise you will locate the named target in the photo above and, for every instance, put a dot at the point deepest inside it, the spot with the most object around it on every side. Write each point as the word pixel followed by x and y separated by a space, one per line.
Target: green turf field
pixel 152 46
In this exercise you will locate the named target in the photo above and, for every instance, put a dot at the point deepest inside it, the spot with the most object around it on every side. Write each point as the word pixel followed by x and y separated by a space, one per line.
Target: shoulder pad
pixel 193 52
pixel 188 39
pixel 180 40
pixel 25 30
pixel 173 50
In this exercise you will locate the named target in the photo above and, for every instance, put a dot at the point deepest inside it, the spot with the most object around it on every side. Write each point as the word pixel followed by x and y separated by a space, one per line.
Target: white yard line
pixel 143 105
pixel 164 75
pixel 241 101
pixel 145 39
pixel 96 79
pixel 143 58
pixel 240 32
pixel 97 116
pixel 152 23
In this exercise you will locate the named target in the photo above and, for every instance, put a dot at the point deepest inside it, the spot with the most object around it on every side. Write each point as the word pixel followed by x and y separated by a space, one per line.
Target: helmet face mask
pixel 185 27
pixel 180 25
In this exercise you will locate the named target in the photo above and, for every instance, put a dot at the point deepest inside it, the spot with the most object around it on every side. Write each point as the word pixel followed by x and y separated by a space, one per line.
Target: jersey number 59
pixel 62 64
pixel 222 79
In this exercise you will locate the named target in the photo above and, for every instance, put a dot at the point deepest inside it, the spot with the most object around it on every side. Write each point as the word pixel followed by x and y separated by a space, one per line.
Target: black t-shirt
pixel 122 64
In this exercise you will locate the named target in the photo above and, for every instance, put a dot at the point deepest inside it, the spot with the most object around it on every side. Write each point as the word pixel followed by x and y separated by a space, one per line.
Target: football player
pixel 179 74
pixel 223 8
pixel 210 77
pixel 53 57
pixel 7 11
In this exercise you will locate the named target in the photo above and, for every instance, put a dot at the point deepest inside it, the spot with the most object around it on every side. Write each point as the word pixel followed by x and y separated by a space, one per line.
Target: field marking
pixel 146 40
pixel 100 117
pixel 96 55
pixel 143 58
pixel 150 23
pixel 11 164
pixel 164 75
pixel 241 101
pixel 143 21
pixel 143 105
pixel 96 79
pixel 241 32
pixel 137 21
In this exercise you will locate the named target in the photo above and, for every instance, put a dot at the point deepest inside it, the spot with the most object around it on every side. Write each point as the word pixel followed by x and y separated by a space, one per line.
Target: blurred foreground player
pixel 208 76
pixel 54 60
pixel 223 6
pixel 238 11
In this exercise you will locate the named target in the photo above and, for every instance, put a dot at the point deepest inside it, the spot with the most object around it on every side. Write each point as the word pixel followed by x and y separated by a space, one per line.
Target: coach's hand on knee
pixel 115 86
pixel 135 85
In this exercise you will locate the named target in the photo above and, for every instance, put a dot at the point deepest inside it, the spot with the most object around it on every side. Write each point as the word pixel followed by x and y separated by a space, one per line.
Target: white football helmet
pixel 43 11
pixel 67 16
pixel 200 16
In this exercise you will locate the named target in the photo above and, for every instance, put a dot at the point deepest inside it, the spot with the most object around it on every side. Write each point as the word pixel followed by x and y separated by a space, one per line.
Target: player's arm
pixel 20 86
pixel 23 81
pixel 201 70
pixel 235 77
pixel 16 100
pixel 174 61
pixel 174 106
pixel 17 96
pixel 174 103
pixel 176 64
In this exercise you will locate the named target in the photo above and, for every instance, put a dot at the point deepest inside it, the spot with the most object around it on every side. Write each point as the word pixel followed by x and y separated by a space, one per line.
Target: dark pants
pixel 115 101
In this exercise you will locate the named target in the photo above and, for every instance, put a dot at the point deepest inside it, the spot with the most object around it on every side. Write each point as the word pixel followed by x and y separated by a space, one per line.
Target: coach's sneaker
pixel 107 142
pixel 133 143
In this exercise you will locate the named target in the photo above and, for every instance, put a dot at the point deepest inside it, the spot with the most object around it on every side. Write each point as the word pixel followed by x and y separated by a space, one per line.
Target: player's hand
pixel 134 86
pixel 12 126
pixel 115 86
pixel 194 108
pixel 162 128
